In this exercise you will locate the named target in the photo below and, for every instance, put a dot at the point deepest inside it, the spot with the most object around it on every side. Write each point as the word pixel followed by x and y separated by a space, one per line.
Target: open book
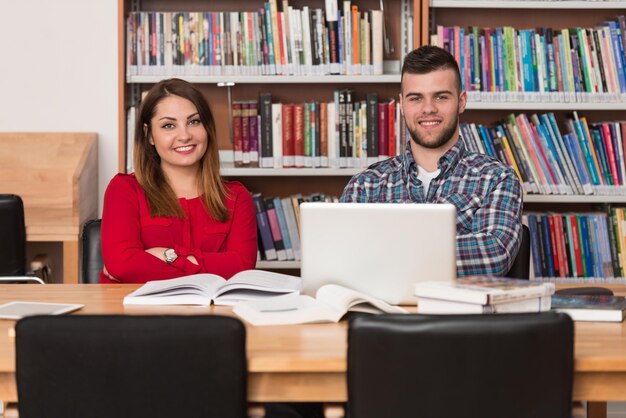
pixel 201 289
pixel 330 304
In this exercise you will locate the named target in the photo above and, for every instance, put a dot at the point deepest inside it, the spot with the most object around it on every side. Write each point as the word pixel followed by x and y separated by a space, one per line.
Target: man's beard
pixel 442 140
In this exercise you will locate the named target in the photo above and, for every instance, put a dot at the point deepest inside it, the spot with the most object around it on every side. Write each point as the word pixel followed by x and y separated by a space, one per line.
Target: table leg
pixel 70 262
pixel 596 409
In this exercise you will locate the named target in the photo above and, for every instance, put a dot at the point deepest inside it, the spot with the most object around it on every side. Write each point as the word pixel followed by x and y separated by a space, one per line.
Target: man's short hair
pixel 427 59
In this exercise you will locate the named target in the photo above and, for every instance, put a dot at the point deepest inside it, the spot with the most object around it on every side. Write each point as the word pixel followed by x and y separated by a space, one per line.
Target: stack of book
pixel 477 295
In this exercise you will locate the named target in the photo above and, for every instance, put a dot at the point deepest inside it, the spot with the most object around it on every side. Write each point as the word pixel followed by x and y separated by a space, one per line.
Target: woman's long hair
pixel 161 197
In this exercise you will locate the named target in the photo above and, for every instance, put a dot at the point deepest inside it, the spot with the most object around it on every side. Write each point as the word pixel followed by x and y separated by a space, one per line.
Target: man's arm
pixel 491 246
pixel 355 191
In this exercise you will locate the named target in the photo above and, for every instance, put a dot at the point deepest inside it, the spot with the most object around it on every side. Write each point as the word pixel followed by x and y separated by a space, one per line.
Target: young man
pixel 436 167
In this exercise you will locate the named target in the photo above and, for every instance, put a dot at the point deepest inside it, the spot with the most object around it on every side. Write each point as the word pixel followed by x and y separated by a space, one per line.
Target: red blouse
pixel 222 248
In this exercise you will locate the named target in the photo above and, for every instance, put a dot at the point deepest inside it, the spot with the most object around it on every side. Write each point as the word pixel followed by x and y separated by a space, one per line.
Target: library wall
pixel 59 72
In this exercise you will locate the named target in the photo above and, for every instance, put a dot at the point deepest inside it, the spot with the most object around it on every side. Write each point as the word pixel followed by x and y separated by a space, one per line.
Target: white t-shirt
pixel 426 176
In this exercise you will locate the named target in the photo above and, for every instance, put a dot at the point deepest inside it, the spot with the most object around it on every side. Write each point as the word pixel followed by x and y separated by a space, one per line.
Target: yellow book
pixel 509 154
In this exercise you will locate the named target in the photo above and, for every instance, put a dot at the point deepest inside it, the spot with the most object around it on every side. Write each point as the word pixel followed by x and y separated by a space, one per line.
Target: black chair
pixel 521 265
pixel 13 244
pixel 130 366
pixel 13 233
pixel 450 366
pixel 91 258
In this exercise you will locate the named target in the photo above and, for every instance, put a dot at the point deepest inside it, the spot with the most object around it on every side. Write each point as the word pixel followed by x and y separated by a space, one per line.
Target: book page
pixel 343 299
pixel 261 280
pixel 194 289
pixel 285 309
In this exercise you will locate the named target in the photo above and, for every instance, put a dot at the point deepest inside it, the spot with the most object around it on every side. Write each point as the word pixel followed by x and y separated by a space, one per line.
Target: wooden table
pixel 308 362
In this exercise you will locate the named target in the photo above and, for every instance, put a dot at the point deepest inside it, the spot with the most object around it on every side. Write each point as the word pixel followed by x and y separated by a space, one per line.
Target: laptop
pixel 381 249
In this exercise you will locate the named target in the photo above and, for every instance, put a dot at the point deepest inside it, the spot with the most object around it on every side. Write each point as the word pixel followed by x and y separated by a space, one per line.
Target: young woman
pixel 175 216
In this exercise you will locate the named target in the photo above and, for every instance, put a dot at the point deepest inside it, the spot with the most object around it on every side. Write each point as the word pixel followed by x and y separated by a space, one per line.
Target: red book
pixel 576 243
pixel 298 134
pixel 323 133
pixel 608 142
pixel 288 136
pixel 392 127
pixel 383 130
pixel 560 235
pixel 556 258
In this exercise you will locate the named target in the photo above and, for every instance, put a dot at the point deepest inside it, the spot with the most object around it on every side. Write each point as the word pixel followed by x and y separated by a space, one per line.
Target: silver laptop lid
pixel 381 249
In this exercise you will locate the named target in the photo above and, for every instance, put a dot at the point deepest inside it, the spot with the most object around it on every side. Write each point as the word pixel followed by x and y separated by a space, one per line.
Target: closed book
pixel 601 308
pixel 483 290
pixel 439 306
pixel 237 134
pixel 288 136
pixel 298 134
pixel 269 251
pixel 266 146
pixel 277 236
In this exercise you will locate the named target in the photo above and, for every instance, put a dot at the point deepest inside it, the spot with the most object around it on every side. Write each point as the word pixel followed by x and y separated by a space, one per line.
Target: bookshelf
pixel 488 108
pixel 223 90
pixel 420 18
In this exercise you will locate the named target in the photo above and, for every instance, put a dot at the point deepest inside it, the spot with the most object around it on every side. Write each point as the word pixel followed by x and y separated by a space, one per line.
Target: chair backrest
pixel 488 366
pixel 521 265
pixel 13 236
pixel 130 366
pixel 91 252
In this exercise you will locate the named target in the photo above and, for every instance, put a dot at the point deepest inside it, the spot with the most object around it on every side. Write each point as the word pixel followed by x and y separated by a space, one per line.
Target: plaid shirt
pixel 487 195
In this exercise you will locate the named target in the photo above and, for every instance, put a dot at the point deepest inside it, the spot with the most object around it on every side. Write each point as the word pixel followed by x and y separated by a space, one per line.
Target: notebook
pixel 381 249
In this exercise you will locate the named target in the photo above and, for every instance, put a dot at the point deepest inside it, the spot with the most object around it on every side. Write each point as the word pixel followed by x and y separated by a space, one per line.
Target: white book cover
pixel 483 290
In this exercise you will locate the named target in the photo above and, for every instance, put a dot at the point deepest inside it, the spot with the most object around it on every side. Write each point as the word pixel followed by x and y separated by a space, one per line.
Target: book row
pixel 278 223
pixel 346 132
pixel 580 64
pixel 268 41
pixel 569 245
pixel 588 159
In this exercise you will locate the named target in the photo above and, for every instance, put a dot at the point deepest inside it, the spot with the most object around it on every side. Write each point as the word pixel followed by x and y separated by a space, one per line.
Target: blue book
pixel 486 139
pixel 547 242
pixel 284 230
pixel 534 244
pixel 585 246
pixel 596 255
pixel 581 139
pixel 598 144
pixel 555 141
pixel 500 59
pixel 618 52
pixel 264 228
pixel 577 157
pixel 462 57
pixel 527 61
